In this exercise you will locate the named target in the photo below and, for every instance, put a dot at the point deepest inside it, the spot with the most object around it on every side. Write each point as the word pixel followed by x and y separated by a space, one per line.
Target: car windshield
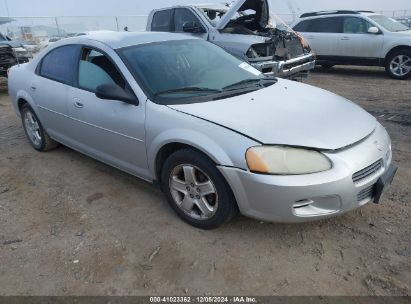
pixel 389 24
pixel 190 69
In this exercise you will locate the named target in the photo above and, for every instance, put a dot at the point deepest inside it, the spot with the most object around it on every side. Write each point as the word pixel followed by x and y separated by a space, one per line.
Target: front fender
pixel 191 138
pixel 165 126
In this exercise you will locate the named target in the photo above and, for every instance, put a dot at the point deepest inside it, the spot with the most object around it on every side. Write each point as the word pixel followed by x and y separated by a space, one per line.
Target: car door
pixel 357 42
pixel 323 34
pixel 50 88
pixel 110 130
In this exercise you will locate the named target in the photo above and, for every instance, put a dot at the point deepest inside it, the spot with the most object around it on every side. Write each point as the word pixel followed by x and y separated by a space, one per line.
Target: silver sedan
pixel 217 135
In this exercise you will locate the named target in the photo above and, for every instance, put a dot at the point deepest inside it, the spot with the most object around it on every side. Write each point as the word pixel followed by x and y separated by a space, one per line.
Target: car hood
pixel 402 34
pixel 289 113
pixel 13 44
pixel 259 6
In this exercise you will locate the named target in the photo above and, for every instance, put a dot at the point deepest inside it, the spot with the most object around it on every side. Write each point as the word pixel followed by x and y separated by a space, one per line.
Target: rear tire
pixel 196 190
pixel 37 136
pixel 398 64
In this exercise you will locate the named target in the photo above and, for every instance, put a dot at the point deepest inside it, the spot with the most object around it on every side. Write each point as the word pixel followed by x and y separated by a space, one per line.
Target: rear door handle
pixel 345 38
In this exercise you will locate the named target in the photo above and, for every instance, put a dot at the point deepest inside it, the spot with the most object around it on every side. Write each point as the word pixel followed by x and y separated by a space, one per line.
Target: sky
pixel 139 7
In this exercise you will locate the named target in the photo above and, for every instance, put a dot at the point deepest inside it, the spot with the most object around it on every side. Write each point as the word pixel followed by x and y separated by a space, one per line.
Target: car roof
pixel 212 6
pixel 118 40
pixel 322 14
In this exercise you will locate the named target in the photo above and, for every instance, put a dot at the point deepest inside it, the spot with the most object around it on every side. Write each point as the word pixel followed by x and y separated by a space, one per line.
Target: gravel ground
pixel 70 225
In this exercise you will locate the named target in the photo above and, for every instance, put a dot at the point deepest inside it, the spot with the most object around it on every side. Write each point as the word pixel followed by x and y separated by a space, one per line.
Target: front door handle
pixel 345 38
pixel 78 103
pixel 33 88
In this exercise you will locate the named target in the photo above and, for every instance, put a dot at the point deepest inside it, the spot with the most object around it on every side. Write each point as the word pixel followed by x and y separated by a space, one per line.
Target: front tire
pixel 196 190
pixel 398 65
pixel 37 136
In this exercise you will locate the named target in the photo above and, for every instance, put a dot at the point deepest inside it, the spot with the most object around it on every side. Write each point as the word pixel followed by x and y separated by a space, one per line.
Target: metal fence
pixel 40 29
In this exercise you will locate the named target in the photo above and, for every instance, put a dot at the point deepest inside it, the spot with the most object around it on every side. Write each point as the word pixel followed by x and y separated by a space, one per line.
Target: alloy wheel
pixel 400 65
pixel 193 192
pixel 32 128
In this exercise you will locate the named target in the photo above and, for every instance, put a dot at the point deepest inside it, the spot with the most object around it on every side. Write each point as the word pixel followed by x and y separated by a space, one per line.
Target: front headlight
pixel 286 160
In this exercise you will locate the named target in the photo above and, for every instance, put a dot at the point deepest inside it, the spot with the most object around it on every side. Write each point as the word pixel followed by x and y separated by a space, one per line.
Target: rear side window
pixel 325 25
pixel 162 21
pixel 61 64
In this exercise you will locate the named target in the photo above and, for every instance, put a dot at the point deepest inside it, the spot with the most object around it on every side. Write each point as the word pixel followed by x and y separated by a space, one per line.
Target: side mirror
pixel 373 30
pixel 193 27
pixel 114 92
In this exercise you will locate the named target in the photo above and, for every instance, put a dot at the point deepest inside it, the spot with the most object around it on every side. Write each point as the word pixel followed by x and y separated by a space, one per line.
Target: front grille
pixel 6 58
pixel 366 193
pixel 368 171
pixel 6 54
pixel 267 70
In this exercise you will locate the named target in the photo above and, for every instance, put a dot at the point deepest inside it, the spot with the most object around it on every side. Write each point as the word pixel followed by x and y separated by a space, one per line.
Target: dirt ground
pixel 70 225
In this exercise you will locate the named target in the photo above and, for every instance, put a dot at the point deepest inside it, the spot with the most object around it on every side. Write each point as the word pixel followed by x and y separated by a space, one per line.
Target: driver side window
pixel 96 69
pixel 183 15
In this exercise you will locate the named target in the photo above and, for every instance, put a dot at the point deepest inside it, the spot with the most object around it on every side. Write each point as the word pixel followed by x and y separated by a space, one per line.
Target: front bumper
pixel 287 69
pixel 4 66
pixel 300 198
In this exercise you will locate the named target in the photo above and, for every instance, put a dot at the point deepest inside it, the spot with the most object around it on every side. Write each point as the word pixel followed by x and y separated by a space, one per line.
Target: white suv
pixel 358 38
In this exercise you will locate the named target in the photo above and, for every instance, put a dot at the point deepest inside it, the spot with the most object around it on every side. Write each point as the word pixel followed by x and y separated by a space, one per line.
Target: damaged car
pixel 216 134
pixel 243 29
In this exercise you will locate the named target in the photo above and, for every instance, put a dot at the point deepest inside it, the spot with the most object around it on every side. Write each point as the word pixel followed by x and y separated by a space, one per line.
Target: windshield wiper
pixel 241 83
pixel 188 89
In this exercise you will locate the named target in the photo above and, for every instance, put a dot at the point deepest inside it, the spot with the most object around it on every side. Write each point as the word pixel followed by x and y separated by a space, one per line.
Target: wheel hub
pixel 400 65
pixel 32 128
pixel 193 192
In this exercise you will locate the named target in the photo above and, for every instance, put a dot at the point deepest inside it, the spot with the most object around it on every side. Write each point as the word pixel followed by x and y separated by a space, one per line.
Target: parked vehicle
pixel 48 42
pixel 91 32
pixel 31 46
pixel 405 21
pixel 358 38
pixel 21 54
pixel 214 132
pixel 244 30
pixel 7 59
